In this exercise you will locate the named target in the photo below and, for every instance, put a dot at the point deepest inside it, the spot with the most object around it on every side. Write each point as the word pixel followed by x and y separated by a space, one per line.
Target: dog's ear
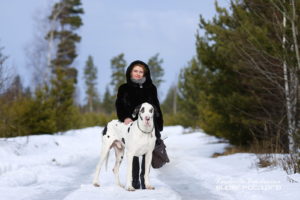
pixel 136 111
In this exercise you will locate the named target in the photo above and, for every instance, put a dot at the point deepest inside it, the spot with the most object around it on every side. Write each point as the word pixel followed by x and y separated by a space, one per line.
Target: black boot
pixel 142 176
pixel 135 173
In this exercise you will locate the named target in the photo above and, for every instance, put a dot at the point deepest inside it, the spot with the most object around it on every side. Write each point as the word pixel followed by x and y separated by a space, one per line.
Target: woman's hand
pixel 127 121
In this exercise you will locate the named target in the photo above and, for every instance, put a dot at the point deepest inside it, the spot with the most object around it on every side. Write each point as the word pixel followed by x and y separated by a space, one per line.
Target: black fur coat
pixel 130 95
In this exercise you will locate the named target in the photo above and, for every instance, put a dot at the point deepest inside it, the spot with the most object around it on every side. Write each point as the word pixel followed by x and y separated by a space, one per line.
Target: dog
pixel 138 138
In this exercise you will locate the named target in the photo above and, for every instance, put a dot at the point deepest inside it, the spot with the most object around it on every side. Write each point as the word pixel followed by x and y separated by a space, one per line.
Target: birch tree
pixel 66 13
pixel 37 49
pixel 283 25
pixel 237 83
pixel 291 67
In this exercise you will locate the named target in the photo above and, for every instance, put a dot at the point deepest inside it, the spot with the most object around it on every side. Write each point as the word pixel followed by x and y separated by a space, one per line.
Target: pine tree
pixel 3 75
pixel 66 13
pixel 108 103
pixel 15 91
pixel 90 75
pixel 118 66
pixel 236 91
pixel 169 106
pixel 41 117
pixel 157 72
pixel 191 84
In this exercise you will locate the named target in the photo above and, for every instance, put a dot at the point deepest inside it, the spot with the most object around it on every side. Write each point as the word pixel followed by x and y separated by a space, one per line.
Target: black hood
pixel 147 74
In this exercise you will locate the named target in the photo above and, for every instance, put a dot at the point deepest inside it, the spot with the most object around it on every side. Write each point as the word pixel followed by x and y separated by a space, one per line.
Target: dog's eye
pixel 151 110
pixel 143 110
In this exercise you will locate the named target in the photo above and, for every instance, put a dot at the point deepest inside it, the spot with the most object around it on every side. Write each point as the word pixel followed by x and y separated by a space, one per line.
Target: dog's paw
pixel 96 184
pixel 130 188
pixel 150 187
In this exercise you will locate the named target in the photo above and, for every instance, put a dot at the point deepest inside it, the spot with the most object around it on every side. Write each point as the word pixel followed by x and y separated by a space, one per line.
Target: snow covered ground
pixel 61 166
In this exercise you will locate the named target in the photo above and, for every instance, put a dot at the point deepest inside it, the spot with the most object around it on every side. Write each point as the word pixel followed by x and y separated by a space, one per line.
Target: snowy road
pixel 61 167
pixel 171 181
pixel 82 175
pixel 187 186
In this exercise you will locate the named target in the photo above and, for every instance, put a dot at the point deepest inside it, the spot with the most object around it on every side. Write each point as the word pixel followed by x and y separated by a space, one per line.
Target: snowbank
pixel 61 166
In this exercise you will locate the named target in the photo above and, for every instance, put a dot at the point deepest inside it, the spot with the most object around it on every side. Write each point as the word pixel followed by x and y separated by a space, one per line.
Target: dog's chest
pixel 143 144
pixel 140 144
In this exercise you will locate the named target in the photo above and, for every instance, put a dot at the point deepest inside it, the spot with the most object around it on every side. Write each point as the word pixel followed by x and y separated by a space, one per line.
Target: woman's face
pixel 137 72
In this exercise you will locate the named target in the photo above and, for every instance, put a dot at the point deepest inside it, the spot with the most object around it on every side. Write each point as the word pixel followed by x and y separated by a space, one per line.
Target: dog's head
pixel 145 113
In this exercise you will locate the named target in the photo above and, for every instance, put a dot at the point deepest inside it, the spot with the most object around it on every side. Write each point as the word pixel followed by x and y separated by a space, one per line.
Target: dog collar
pixel 143 130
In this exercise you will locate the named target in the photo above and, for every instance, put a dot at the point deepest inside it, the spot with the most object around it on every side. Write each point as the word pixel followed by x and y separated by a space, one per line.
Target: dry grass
pixel 231 150
pixel 262 147
pixel 267 156
pixel 290 163
pixel 266 160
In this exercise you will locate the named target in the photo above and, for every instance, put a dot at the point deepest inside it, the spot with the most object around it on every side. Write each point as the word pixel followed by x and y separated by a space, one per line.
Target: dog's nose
pixel 147 118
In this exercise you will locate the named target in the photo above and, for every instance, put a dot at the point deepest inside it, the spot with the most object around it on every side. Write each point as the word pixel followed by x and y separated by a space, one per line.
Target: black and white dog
pixel 138 138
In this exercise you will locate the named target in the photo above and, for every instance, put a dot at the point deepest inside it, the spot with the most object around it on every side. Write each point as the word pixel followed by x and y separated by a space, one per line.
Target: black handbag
pixel 159 154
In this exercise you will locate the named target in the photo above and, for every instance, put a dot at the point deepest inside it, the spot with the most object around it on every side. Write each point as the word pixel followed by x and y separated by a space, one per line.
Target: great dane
pixel 138 138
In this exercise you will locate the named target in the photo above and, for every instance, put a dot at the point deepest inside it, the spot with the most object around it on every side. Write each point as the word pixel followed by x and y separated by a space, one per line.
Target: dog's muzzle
pixel 147 121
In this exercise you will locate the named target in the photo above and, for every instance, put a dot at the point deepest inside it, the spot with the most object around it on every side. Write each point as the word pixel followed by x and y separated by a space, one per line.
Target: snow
pixel 62 166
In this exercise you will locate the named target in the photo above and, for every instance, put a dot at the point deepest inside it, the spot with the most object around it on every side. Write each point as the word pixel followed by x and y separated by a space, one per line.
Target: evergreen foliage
pixel 3 78
pixel 40 118
pixel 14 105
pixel 118 67
pixel 155 67
pixel 90 76
pixel 169 104
pixel 67 14
pixel 190 84
pixel 234 86
pixel 170 109
pixel 108 103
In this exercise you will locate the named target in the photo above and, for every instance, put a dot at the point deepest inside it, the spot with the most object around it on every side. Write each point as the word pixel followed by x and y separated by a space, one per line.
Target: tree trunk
pixel 175 101
pixel 297 68
pixel 291 83
pixel 51 35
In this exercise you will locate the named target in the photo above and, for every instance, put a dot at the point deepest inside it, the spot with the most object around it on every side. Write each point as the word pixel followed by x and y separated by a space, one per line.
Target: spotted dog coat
pixel 138 138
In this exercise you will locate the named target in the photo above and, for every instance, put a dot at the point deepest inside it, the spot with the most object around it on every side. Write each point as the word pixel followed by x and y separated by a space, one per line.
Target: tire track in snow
pixel 187 187
pixel 83 176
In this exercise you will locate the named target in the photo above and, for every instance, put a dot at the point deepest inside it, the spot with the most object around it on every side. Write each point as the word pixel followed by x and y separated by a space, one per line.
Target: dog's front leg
pixel 129 172
pixel 148 159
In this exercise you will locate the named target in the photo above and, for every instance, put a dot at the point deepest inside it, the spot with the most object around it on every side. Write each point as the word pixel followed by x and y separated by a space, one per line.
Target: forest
pixel 242 85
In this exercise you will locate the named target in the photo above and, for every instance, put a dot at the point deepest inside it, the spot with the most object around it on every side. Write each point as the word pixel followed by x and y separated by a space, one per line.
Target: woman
pixel 138 89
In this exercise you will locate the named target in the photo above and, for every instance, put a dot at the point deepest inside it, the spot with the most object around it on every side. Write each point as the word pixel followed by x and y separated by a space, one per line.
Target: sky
pixel 139 29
